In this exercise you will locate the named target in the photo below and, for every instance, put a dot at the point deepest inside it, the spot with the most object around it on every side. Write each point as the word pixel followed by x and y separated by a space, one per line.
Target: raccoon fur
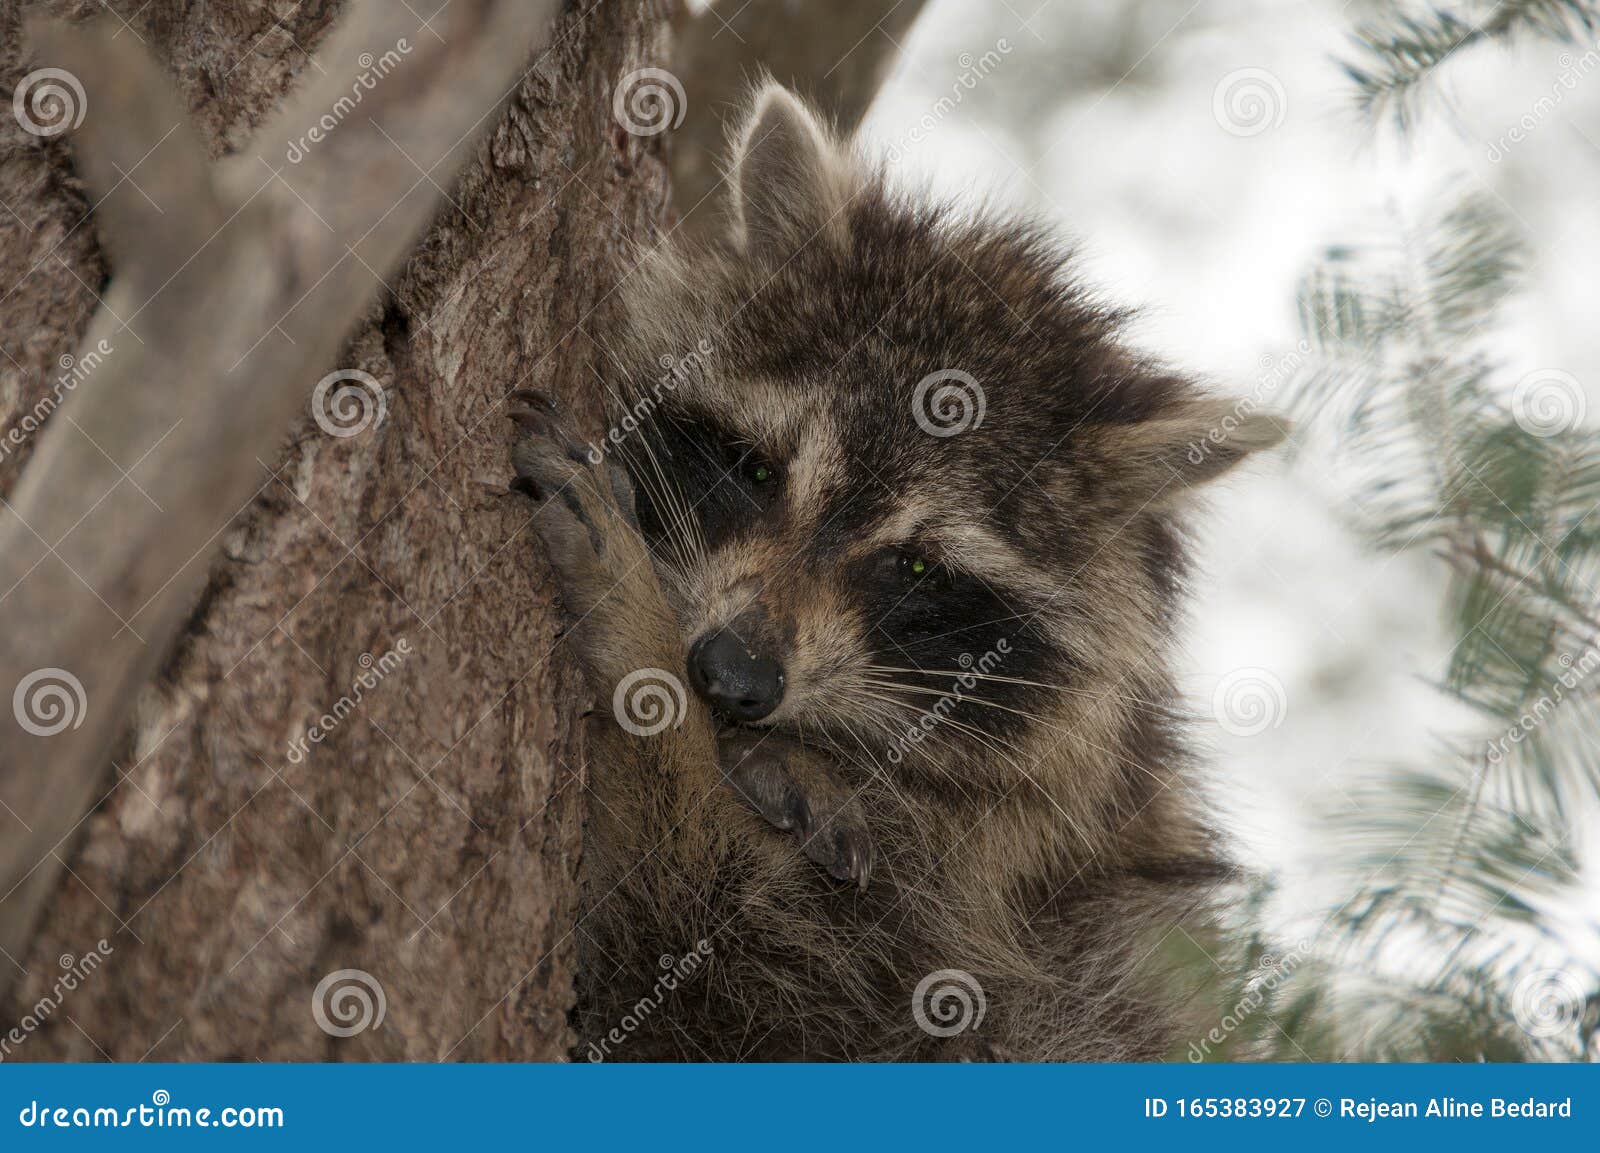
pixel 874 575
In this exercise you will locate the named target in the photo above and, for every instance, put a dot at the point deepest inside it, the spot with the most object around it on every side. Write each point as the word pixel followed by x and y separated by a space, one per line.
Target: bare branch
pixel 233 287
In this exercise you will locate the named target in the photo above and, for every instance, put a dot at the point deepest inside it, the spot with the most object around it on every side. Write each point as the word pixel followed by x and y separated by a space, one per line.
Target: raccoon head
pixel 905 487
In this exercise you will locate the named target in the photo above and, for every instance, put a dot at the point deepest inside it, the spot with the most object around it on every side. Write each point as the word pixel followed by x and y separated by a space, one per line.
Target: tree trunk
pixel 361 754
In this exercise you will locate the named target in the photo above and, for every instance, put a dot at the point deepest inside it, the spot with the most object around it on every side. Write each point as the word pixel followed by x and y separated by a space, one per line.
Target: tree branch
pixel 233 287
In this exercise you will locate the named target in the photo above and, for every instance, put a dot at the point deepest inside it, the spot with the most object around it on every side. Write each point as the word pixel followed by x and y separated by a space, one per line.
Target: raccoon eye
pixel 759 472
pixel 923 572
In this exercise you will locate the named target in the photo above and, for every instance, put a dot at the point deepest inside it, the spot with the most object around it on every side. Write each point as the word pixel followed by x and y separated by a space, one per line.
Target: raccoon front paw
pixel 795 791
pixel 586 517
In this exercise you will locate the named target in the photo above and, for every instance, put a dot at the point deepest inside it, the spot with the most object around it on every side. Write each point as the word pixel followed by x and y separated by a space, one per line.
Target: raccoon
pixel 875 576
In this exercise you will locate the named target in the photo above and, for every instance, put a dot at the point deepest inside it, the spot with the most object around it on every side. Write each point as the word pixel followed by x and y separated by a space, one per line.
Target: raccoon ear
pixel 1188 443
pixel 789 177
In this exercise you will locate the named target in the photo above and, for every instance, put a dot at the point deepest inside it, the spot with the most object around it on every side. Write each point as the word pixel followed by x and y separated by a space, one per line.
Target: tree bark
pixel 428 836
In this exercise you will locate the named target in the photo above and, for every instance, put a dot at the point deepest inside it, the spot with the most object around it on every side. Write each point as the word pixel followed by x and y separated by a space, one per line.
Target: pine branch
pixel 1452 873
pixel 1400 51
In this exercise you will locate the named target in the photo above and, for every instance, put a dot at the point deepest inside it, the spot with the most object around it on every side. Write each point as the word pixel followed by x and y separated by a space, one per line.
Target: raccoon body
pixel 892 523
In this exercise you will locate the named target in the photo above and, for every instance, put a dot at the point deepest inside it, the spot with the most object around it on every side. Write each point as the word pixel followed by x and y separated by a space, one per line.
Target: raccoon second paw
pixel 792 788
pixel 587 519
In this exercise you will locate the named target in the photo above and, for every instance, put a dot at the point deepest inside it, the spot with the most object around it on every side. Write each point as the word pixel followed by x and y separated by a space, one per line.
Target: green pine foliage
pixel 1443 929
pixel 1400 53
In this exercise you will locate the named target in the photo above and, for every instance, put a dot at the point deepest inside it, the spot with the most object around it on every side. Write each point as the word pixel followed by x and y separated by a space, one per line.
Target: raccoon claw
pixel 845 853
pixel 585 519
pixel 794 792
pixel 534 398
pixel 537 415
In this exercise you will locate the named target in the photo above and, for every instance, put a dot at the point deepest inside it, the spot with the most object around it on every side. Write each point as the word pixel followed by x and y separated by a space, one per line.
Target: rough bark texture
pixel 431 838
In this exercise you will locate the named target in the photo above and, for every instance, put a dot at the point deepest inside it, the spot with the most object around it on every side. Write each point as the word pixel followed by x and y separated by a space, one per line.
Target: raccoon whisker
pixel 997 745
pixel 1046 722
pixel 879 774
pixel 964 699
pixel 681 526
pixel 991 740
pixel 666 494
pixel 882 714
pixel 679 523
pixel 1071 689
pixel 979 625
pixel 693 532
pixel 658 497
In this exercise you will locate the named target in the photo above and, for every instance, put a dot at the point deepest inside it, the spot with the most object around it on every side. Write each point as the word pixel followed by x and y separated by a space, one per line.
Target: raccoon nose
pixel 732 679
